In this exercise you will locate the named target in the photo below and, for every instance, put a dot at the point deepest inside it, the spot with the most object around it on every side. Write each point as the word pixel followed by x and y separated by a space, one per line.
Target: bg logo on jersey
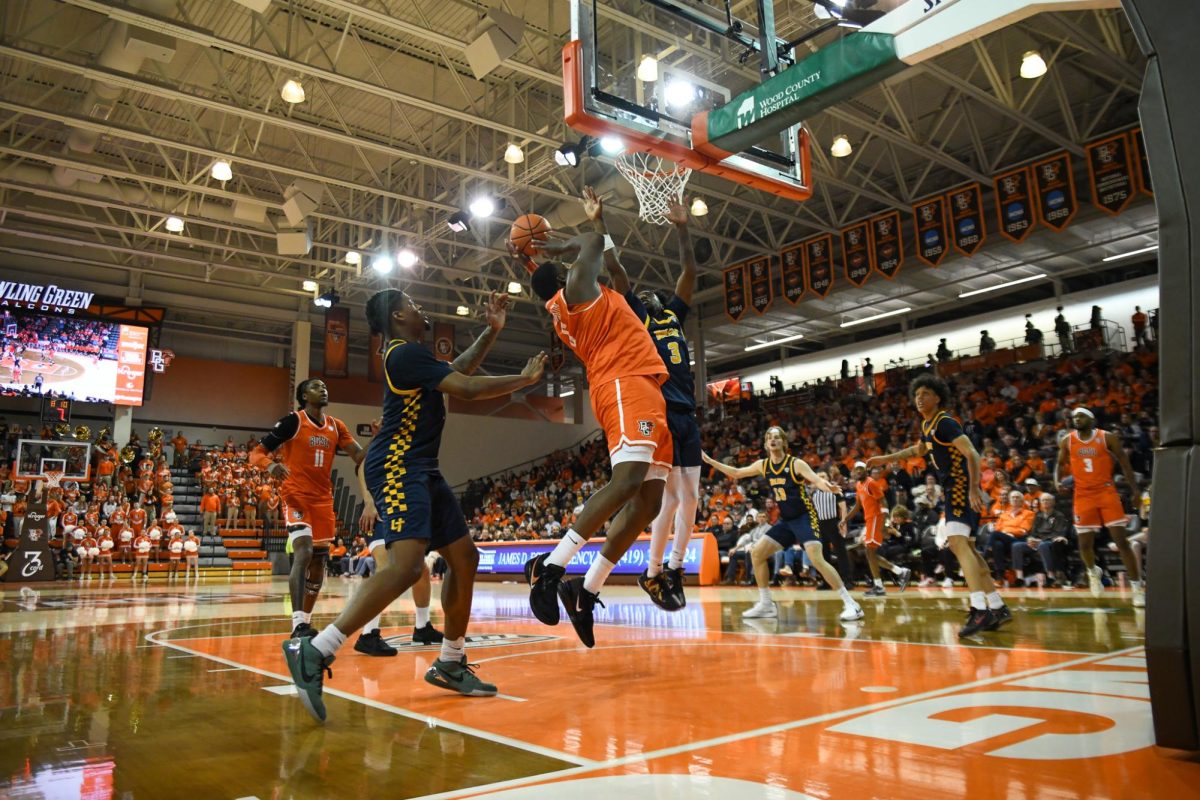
pixel 318 441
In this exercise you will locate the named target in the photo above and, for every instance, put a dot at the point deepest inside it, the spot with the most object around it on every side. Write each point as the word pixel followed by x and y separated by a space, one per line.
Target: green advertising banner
pixel 838 71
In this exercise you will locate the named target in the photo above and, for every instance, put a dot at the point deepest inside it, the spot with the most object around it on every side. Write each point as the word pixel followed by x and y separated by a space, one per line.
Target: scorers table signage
pixel 508 558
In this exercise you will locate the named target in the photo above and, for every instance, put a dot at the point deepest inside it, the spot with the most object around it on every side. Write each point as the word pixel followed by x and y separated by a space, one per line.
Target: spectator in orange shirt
pixel 1013 524
pixel 1139 326
pixel 180 450
pixel 104 471
pixel 210 506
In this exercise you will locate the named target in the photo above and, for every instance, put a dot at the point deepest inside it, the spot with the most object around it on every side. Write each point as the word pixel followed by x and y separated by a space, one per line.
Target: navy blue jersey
pixel 667 334
pixel 949 464
pixel 414 414
pixel 789 492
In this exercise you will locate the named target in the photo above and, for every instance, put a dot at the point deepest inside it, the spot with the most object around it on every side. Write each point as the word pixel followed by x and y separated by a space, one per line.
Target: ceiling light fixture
pixel 765 345
pixel 679 94
pixel 310 286
pixel 382 264
pixel 567 393
pixel 174 224
pixel 459 221
pixel 462 311
pixel 612 145
pixel 482 207
pixel 292 92
pixel 1004 285
pixel 353 258
pixel 569 154
pixel 406 258
pixel 514 287
pixel 513 154
pixel 885 314
pixel 1130 254
pixel 327 300
pixel 1032 65
pixel 699 208
pixel 221 171
pixel 841 146
pixel 647 69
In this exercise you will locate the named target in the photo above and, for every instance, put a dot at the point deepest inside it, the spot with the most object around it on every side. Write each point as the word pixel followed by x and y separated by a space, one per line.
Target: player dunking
pixel 417 506
pixel 798 523
pixel 956 464
pixel 665 322
pixel 625 375
pixel 1091 452
pixel 308 439
pixel 869 490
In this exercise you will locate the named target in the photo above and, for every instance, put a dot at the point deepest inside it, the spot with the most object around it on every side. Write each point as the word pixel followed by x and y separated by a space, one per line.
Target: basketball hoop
pixel 52 477
pixel 656 181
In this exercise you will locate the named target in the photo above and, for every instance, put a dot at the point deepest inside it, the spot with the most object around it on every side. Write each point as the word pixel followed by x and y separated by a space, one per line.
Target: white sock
pixel 978 600
pixel 597 574
pixel 764 596
pixel 1136 584
pixel 566 549
pixel 422 616
pixel 878 582
pixel 675 561
pixel 453 650
pixel 373 625
pixel 298 618
pixel 685 516
pixel 893 569
pixel 329 640
pixel 994 600
pixel 847 598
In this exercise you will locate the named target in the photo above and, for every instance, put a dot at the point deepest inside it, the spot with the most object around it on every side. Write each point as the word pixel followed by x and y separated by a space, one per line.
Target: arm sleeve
pixel 410 366
pixel 948 429
pixel 284 430
pixel 638 307
pixel 680 308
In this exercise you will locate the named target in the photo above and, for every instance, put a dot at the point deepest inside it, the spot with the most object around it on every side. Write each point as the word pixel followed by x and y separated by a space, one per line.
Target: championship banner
pixel 1110 170
pixel 375 359
pixel 886 244
pixel 818 264
pixel 967 230
pixel 932 244
pixel 557 356
pixel 856 253
pixel 1141 165
pixel 337 342
pixel 1014 204
pixel 443 341
pixel 760 284
pixel 1055 190
pixel 735 292
pixel 791 266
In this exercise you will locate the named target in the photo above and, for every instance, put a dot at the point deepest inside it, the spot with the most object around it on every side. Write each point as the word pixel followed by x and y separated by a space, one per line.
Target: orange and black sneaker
pixel 660 590
pixel 674 578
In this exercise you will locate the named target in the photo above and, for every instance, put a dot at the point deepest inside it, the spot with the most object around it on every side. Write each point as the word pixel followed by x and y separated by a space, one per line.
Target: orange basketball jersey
pixel 607 336
pixel 870 494
pixel 1091 463
pixel 309 454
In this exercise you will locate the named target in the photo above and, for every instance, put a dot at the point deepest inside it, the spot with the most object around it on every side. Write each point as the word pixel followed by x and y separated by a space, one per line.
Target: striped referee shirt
pixel 826 503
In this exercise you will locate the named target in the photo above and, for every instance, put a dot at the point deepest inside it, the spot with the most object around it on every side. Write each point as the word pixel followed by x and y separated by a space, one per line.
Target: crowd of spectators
pixel 1014 416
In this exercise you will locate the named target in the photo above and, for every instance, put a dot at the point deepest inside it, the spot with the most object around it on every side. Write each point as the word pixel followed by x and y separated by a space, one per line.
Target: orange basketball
pixel 527 229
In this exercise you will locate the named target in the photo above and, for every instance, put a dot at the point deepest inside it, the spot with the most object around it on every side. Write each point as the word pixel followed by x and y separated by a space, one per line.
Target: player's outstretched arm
pixel 1060 463
pixel 918 449
pixel 484 387
pixel 284 430
pixel 685 285
pixel 593 207
pixel 496 313
pixel 753 471
pixel 806 472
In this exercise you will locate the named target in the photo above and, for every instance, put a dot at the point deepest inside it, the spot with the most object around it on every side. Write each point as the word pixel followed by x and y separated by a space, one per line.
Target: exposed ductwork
pixel 125 50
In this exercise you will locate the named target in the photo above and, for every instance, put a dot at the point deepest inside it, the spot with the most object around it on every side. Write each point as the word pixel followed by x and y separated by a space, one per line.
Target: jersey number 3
pixel 1087 465
pixel 676 353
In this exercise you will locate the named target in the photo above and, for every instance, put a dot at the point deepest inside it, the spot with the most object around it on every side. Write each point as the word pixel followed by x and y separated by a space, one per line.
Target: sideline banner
pixel 508 558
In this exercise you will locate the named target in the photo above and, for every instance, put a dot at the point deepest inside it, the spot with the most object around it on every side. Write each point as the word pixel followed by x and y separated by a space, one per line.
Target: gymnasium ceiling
pixel 400 135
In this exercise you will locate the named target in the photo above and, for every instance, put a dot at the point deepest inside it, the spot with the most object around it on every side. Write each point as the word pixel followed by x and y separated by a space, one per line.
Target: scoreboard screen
pixel 56 410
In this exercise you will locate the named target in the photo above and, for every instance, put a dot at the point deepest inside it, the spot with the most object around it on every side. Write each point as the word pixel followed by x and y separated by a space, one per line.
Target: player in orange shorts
pixel 308 439
pixel 626 375
pixel 869 496
pixel 1091 453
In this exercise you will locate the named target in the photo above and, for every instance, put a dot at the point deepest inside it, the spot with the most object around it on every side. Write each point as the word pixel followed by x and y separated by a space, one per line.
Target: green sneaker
pixel 308 666
pixel 458 677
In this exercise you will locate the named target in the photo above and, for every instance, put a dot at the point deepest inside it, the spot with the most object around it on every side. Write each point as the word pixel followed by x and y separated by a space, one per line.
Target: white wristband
pixel 608 243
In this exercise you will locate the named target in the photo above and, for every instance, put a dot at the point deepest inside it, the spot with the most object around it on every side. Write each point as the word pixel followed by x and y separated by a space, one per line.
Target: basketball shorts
pixel 873 531
pixel 378 536
pixel 960 518
pixel 685 437
pixel 633 414
pixel 418 504
pixel 788 532
pixel 1093 509
pixel 309 515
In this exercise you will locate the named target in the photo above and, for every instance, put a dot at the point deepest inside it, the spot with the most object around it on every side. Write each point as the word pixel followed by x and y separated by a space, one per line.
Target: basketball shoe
pixel 579 603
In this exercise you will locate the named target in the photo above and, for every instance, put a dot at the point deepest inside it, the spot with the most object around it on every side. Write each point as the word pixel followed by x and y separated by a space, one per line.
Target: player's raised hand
pixel 593 205
pixel 534 368
pixel 278 470
pixel 676 213
pixel 496 311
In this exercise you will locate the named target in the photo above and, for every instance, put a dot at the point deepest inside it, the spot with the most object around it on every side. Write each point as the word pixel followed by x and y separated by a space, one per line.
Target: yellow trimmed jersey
pixel 414 412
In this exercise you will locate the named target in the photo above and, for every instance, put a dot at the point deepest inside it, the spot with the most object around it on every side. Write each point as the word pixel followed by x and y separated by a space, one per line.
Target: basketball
pixel 526 229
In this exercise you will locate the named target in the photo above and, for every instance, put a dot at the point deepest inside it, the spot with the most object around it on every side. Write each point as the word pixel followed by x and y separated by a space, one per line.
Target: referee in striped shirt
pixel 831 508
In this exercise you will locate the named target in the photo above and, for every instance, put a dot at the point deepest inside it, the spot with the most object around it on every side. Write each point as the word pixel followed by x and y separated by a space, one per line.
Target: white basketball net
pixel 52 477
pixel 656 181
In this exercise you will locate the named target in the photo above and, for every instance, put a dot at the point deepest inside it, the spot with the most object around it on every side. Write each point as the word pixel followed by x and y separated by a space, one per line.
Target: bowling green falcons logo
pixel 853 236
pixel 1050 171
pixel 962 201
pixel 1106 153
pixel 759 269
pixel 883 226
pixel 296 514
pixel 818 249
pixel 1011 185
pixel 646 427
pixel 927 213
